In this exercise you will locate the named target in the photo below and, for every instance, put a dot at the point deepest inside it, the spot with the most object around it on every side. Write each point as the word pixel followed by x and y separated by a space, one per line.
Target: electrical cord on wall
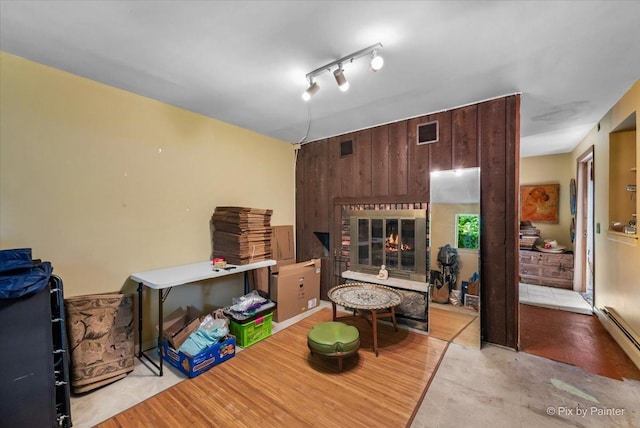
pixel 306 135
pixel 299 143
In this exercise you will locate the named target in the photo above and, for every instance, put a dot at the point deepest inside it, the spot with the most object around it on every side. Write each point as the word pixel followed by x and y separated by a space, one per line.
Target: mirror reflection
pixel 454 256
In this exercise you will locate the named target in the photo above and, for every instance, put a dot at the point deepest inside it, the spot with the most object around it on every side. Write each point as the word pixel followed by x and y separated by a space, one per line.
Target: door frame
pixel 582 232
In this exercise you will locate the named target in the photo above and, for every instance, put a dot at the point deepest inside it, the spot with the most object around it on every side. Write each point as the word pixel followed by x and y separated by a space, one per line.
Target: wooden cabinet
pixel 553 270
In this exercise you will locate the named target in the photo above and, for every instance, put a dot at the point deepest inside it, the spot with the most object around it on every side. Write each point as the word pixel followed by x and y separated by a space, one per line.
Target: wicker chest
pixel 553 270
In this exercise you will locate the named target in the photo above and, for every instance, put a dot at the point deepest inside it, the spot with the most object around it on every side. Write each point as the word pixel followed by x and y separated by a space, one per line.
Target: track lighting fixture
pixel 340 79
pixel 311 90
pixel 376 61
pixel 376 64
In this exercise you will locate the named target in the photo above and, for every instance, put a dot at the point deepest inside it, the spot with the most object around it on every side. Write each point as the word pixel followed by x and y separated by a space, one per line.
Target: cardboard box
pixel 179 325
pixel 282 243
pixel 259 278
pixel 282 251
pixel 193 365
pixel 280 263
pixel 296 288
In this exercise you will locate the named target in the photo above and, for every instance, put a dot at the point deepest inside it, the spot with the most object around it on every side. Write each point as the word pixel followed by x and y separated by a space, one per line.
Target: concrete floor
pixel 496 387
pixel 489 387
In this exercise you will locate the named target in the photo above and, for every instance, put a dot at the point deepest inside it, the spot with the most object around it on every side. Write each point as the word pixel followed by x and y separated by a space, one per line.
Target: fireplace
pixel 394 238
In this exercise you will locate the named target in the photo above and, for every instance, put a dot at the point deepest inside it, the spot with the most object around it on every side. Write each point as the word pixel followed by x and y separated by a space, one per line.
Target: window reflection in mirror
pixel 468 231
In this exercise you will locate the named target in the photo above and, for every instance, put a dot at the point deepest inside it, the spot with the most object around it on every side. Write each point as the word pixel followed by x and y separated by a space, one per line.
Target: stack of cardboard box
pixel 242 235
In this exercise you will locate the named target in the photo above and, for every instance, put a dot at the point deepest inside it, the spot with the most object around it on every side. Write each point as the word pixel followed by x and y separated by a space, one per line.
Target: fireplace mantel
pixel 405 284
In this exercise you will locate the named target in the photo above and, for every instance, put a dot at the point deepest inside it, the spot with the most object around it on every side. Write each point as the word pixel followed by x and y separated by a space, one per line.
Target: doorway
pixel 584 228
pixel 550 332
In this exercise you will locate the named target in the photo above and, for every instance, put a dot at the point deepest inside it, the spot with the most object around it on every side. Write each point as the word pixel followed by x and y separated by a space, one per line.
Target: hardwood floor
pixel 575 339
pixel 277 383
pixel 452 324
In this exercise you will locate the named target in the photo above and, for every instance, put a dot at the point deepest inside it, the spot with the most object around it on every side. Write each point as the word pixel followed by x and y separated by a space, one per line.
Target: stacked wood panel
pixel 242 235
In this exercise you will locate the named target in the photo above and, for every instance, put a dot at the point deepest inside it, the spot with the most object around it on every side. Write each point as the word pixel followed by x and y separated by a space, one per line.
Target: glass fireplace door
pixel 377 241
pixel 394 238
pixel 408 245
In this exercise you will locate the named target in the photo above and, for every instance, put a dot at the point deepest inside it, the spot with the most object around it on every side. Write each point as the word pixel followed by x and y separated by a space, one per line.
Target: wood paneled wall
pixel 387 166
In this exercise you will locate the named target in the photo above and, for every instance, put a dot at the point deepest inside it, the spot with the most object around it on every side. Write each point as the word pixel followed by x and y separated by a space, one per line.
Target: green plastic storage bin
pixel 249 333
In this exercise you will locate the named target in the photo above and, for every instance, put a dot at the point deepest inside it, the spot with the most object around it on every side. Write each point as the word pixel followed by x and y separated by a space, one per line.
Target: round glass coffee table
pixel 372 301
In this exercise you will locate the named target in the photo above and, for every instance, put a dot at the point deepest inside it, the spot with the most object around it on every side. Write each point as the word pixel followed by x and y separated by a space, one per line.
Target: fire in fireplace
pixel 394 238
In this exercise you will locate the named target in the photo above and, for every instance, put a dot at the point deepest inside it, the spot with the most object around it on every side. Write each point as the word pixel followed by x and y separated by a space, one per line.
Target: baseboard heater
pixel 621 332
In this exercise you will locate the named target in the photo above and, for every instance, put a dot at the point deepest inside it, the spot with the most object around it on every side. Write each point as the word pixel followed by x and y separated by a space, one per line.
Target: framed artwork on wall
pixel 539 203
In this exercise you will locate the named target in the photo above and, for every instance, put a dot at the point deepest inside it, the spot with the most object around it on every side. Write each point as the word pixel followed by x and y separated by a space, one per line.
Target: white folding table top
pixel 184 274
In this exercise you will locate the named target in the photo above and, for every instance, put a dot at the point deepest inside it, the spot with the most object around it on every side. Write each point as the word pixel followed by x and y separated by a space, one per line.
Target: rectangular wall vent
pixel 428 132
pixel 346 148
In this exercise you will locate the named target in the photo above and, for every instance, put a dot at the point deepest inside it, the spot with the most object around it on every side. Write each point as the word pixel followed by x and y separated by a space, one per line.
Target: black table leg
pixel 141 353
pixel 139 320
pixel 160 328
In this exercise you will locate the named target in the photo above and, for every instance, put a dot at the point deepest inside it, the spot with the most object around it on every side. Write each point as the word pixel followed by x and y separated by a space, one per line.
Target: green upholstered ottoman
pixel 333 339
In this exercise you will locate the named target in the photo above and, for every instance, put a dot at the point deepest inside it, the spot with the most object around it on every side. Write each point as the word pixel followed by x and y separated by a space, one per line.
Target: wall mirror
pixel 454 256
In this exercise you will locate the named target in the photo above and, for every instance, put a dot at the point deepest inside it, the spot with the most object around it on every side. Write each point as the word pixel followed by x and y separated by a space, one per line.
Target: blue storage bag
pixel 20 275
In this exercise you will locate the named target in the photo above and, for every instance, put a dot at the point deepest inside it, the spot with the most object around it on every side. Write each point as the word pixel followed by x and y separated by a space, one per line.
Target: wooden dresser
pixel 553 270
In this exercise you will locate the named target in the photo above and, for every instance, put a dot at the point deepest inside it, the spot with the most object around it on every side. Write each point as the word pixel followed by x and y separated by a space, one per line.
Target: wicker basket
pixel 101 339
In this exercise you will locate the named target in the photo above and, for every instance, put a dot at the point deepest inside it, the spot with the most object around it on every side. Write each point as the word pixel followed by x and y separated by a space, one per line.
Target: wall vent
pixel 346 148
pixel 428 132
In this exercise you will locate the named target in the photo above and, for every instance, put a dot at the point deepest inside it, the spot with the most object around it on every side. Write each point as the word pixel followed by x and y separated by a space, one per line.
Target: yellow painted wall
pixel 552 169
pixel 617 264
pixel 104 183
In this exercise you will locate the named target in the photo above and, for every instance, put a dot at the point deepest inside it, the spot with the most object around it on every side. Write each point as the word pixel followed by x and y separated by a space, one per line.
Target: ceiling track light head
pixel 311 90
pixel 343 84
pixel 376 61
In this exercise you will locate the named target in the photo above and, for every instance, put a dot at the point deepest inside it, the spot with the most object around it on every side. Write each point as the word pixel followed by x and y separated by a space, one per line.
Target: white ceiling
pixel 244 62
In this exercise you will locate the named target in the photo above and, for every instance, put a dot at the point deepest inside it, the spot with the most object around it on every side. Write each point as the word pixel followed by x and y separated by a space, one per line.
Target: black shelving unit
pixel 34 369
pixel 60 353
